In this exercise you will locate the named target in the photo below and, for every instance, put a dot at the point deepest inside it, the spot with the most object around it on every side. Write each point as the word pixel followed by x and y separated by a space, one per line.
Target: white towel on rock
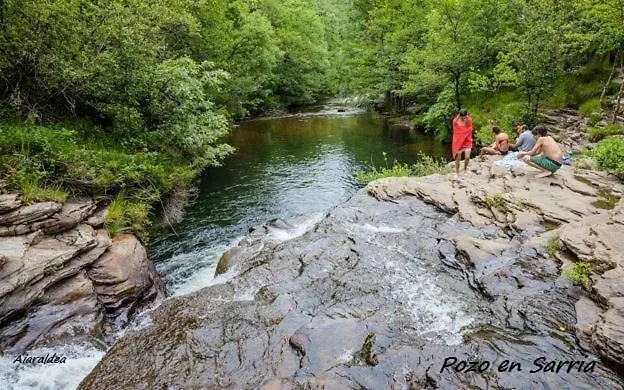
pixel 509 161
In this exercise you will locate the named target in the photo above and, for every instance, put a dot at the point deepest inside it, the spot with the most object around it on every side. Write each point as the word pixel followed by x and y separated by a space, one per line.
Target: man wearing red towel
pixel 462 139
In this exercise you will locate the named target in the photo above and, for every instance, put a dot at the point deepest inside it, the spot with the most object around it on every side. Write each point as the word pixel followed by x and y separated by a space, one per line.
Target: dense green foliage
pixel 124 215
pixel 54 157
pixel 609 154
pixel 589 107
pixel 444 54
pixel 118 62
pixel 595 134
pixel 134 96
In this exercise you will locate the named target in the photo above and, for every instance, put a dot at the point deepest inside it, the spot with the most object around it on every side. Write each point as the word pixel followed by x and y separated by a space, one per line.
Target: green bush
pixel 589 107
pixel 579 274
pixel 595 134
pixel 503 109
pixel 437 118
pixel 125 215
pixel 428 165
pixel 43 162
pixel 574 90
pixel 609 154
pixel 396 170
pixel 594 118
pixel 57 157
pixel 485 136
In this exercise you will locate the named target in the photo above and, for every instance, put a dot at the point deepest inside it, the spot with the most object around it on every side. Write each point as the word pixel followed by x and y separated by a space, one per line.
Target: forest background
pixel 129 100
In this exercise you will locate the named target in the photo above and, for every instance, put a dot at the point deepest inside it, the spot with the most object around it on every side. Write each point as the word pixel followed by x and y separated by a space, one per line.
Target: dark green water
pixel 284 167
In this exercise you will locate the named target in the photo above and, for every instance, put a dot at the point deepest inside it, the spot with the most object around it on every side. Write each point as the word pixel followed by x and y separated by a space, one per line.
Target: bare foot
pixel 544 174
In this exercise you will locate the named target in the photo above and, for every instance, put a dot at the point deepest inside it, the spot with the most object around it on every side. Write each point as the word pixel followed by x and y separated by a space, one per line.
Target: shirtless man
pixel 546 155
pixel 500 145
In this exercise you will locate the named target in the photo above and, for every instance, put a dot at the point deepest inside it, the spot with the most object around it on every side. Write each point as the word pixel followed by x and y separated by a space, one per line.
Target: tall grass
pixel 596 134
pixel 126 215
pixel 52 162
pixel 426 165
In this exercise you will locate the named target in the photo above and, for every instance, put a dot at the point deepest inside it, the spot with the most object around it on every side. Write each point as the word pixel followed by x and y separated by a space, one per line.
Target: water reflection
pixel 283 167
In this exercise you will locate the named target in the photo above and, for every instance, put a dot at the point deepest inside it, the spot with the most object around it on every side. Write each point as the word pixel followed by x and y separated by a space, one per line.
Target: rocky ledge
pixel 386 289
pixel 580 209
pixel 62 277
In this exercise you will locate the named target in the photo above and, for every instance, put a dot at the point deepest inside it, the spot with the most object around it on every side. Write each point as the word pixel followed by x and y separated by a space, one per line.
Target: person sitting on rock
pixel 525 141
pixel 546 155
pixel 500 145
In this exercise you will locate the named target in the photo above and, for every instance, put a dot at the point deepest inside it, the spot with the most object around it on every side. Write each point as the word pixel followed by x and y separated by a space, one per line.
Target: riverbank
pixel 53 163
pixel 385 287
pixel 510 248
pixel 299 140
pixel 573 217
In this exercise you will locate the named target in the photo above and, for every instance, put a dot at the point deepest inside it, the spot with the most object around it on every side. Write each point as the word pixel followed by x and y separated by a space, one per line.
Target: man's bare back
pixel 549 148
pixel 546 155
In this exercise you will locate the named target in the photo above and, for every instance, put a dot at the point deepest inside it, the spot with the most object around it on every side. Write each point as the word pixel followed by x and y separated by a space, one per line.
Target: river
pixel 300 164
pixel 346 291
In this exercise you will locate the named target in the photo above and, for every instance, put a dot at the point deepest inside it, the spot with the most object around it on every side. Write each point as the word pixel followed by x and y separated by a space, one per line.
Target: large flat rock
pixel 30 213
pixel 376 295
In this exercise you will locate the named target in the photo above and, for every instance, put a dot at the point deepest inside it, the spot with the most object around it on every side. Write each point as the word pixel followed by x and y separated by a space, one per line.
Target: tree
pixel 535 49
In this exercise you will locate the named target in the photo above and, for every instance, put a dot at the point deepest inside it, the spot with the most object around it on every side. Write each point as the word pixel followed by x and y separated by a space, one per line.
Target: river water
pixel 300 164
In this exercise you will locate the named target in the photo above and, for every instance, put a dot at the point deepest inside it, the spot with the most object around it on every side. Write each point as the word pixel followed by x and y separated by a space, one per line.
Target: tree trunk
pixel 606 86
pixel 537 104
pixel 618 103
pixel 529 103
pixel 457 98
pixel 618 99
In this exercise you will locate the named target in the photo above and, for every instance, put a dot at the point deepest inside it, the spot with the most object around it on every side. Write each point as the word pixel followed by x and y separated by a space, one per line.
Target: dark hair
pixel 496 129
pixel 463 112
pixel 541 130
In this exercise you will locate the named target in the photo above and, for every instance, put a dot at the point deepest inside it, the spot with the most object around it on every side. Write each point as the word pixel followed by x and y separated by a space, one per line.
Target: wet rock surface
pixel 578 208
pixel 124 279
pixel 46 293
pixel 598 240
pixel 377 295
